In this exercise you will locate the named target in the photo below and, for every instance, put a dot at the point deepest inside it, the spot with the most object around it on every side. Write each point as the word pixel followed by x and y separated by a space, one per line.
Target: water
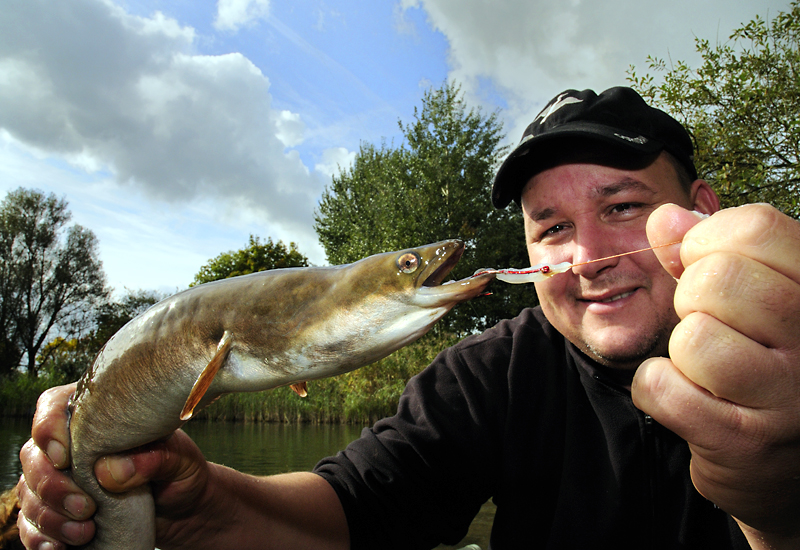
pixel 255 448
pixel 264 448
pixel 14 432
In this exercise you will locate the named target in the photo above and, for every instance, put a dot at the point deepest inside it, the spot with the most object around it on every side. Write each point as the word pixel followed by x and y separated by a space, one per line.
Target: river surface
pixel 256 448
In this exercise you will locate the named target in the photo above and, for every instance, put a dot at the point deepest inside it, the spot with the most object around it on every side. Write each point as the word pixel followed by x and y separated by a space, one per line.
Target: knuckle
pixel 52 488
pixel 26 452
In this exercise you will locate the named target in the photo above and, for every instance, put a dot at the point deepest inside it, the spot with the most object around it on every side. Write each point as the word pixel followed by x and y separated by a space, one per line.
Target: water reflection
pixel 270 448
pixel 14 432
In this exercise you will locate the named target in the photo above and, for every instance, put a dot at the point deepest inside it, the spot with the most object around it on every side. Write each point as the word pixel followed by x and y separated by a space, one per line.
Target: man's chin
pixel 627 357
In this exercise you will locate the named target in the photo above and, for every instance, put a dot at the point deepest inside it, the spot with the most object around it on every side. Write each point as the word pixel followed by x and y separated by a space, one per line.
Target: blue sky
pixel 177 128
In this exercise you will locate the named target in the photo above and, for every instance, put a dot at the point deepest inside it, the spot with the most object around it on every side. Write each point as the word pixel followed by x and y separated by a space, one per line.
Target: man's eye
pixel 623 207
pixel 553 230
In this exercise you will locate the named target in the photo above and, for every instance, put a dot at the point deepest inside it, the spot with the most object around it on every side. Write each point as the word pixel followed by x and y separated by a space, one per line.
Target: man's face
pixel 618 311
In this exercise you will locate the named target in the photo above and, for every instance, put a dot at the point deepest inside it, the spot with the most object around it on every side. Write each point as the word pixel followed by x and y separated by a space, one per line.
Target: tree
pixel 50 276
pixel 256 256
pixel 65 360
pixel 435 186
pixel 742 107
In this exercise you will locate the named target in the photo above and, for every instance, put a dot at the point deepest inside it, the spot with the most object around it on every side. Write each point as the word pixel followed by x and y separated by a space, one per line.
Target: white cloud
pixel 334 161
pixel 530 51
pixel 234 14
pixel 107 90
pixel 290 128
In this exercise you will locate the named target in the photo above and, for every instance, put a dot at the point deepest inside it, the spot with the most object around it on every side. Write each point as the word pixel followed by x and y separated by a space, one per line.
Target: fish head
pixel 428 266
pixel 402 294
pixel 416 276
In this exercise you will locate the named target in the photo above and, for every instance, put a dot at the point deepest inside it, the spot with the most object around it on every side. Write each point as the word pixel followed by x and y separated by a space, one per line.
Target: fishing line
pixel 540 272
pixel 625 253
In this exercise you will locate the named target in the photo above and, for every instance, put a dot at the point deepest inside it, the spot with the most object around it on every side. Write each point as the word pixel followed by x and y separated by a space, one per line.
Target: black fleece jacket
pixel 519 415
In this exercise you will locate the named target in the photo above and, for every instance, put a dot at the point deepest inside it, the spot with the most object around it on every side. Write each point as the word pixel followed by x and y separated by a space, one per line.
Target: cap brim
pixel 526 160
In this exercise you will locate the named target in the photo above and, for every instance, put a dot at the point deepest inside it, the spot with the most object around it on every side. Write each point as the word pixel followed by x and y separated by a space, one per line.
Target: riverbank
pixel 359 397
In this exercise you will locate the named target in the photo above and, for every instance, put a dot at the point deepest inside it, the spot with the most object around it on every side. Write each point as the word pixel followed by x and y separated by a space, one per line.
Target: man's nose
pixel 590 245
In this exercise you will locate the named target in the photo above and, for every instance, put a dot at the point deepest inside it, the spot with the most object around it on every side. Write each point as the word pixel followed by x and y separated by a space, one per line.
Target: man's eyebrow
pixel 625 184
pixel 542 214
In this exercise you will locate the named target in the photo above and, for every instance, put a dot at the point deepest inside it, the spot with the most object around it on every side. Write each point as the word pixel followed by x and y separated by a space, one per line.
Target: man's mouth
pixel 617 297
pixel 610 299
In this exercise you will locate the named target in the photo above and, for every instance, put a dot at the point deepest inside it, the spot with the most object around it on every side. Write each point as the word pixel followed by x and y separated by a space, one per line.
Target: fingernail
pixel 45 545
pixel 57 454
pixel 121 468
pixel 76 505
pixel 700 215
pixel 73 531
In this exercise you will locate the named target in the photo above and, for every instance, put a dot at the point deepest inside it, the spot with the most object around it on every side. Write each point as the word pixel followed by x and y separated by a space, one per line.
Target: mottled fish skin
pixel 249 333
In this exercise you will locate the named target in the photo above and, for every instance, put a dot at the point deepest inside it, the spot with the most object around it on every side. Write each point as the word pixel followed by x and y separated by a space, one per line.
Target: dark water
pixel 255 448
pixel 14 432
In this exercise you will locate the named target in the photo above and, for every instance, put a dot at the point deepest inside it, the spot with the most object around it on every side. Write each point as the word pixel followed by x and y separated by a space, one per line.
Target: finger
pixel 40 521
pixel 743 459
pixel 668 224
pixel 744 294
pixel 32 537
pixel 757 231
pixel 729 365
pixel 697 416
pixel 54 488
pixel 50 428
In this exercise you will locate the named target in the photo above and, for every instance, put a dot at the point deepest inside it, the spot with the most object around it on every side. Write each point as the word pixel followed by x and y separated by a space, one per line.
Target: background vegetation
pixel 741 107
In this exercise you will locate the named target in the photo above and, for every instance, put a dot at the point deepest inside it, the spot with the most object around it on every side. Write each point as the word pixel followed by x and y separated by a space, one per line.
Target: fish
pixel 255 332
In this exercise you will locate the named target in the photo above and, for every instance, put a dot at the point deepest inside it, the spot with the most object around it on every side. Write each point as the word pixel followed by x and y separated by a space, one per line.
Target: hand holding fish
pixel 194 499
pixel 731 387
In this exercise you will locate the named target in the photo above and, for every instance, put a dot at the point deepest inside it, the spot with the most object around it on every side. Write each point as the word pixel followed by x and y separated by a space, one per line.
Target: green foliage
pixel 742 106
pixel 50 276
pixel 435 186
pixel 255 257
pixel 63 361
pixel 19 392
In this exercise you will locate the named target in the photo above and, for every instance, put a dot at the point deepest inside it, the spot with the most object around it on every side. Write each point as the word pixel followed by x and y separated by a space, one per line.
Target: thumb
pixel 173 459
pixel 668 224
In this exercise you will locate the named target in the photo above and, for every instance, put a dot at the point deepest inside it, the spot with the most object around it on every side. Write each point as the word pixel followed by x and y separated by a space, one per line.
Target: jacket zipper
pixel 651 470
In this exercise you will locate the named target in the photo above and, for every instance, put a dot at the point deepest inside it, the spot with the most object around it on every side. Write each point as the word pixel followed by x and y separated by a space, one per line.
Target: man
pixel 568 416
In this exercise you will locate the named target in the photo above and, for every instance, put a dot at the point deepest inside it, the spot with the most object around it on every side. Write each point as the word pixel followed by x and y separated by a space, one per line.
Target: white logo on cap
pixel 641 140
pixel 557 104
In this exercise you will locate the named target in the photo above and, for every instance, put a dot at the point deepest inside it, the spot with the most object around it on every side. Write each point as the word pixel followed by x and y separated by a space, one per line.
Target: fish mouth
pixel 436 278
pixel 434 293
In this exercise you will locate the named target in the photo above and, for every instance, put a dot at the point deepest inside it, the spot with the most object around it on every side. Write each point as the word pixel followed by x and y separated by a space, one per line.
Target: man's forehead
pixel 542 206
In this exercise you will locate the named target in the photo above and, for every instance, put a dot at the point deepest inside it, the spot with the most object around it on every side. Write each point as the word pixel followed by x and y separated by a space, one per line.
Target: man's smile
pixel 607 297
pixel 617 297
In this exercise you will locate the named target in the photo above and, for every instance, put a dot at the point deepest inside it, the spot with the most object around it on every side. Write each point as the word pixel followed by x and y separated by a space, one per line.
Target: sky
pixel 177 128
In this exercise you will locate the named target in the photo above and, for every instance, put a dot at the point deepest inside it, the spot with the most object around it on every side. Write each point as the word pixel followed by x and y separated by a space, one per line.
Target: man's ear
pixel 704 198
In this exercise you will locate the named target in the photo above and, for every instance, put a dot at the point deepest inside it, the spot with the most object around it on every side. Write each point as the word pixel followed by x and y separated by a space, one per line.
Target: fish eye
pixel 408 262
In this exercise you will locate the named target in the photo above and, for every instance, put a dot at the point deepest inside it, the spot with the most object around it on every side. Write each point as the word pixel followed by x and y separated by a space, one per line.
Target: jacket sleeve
pixel 418 478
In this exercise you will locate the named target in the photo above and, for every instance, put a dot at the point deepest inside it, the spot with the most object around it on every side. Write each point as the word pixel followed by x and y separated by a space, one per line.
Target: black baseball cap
pixel 618 119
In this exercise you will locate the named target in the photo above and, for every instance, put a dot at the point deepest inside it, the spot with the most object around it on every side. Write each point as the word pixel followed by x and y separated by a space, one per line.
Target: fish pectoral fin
pixel 301 388
pixel 203 381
